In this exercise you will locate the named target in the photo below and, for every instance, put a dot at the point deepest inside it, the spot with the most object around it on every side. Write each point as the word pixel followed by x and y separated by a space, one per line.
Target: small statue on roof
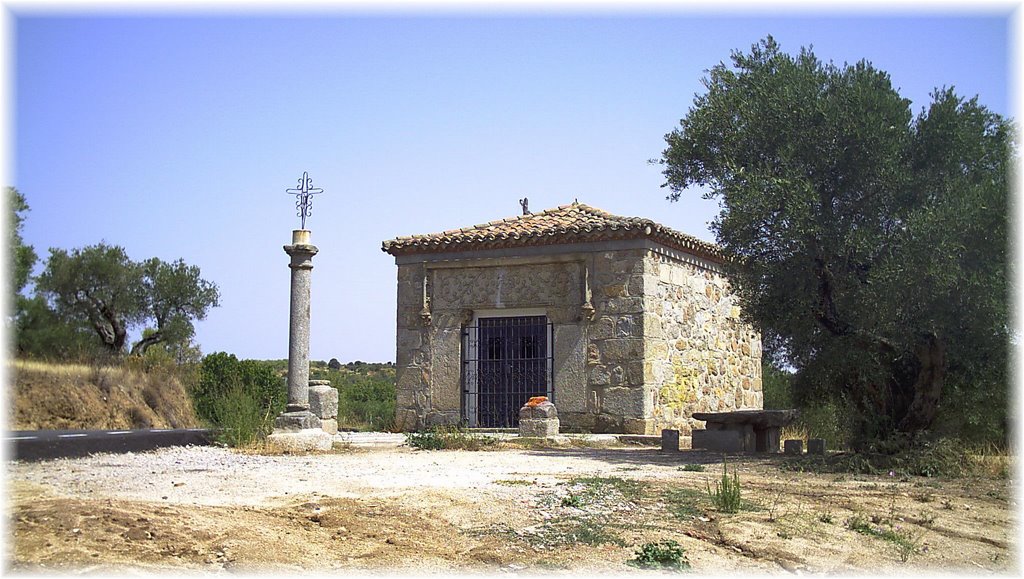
pixel 525 202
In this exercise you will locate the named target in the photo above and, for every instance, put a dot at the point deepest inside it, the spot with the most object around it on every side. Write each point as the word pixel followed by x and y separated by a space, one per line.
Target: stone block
pixel 436 418
pixel 607 423
pixel 624 401
pixel 600 375
pixel 570 368
pixel 323 401
pixel 542 411
pixel 669 440
pixel 578 420
pixel 716 440
pixel 407 420
pixel 330 426
pixel 538 427
pixel 623 306
pixel 622 349
pixel 294 421
pixel 638 426
pixel 793 447
pixel 300 440
pixel 815 446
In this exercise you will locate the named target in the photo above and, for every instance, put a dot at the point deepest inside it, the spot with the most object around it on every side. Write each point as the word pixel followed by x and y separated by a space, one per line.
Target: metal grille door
pixel 505 362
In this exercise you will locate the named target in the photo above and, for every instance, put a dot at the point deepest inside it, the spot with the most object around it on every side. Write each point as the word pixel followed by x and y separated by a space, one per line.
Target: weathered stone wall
pixel 429 348
pixel 617 400
pixel 700 356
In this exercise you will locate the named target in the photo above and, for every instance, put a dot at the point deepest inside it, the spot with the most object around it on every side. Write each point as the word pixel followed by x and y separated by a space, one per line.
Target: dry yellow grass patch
pixel 53 396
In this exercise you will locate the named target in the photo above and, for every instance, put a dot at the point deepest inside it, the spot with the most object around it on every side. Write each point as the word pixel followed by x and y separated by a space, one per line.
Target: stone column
pixel 297 414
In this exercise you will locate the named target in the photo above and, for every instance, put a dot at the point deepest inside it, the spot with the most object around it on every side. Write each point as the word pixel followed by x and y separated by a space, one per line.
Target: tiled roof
pixel 576 223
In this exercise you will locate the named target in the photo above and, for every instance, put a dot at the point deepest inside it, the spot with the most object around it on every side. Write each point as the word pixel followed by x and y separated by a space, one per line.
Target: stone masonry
pixel 643 333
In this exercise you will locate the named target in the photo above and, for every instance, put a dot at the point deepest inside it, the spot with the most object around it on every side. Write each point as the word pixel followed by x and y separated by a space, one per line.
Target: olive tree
pixel 101 286
pixel 869 244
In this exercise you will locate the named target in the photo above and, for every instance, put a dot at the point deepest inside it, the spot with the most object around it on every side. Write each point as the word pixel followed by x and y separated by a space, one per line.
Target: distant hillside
pixel 320 366
pixel 74 396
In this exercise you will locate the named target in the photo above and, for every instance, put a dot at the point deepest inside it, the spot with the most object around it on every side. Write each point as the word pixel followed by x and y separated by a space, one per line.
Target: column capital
pixel 301 249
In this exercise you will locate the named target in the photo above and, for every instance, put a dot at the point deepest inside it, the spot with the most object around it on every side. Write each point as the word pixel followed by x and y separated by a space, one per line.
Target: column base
pixel 290 421
pixel 300 440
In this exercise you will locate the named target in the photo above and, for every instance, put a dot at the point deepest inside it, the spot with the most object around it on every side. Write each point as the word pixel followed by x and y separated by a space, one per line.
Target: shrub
pixel 726 496
pixel 244 394
pixel 661 555
pixel 240 417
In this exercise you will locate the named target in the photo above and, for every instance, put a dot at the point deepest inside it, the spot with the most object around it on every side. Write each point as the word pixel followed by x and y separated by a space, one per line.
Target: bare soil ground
pixel 540 511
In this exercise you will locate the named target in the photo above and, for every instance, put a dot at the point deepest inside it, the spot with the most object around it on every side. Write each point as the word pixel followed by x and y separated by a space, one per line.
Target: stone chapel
pixel 626 325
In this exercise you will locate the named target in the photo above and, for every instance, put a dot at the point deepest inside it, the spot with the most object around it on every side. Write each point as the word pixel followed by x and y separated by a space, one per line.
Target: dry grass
pixel 991 460
pixel 51 396
pixel 794 432
pixel 63 370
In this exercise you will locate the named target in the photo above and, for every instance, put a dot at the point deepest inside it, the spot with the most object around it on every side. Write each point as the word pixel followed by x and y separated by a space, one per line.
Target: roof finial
pixel 525 202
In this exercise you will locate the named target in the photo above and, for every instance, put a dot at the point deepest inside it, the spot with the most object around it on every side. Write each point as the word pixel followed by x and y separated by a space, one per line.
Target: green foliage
pixel 726 495
pixel 41 334
pixel 661 555
pixel 100 286
pixel 23 257
pixel 514 482
pixel 870 245
pixel 175 296
pixel 366 394
pixel 250 389
pixel 572 500
pixel 828 420
pixel 239 416
pixel 451 437
pixel 775 384
pixel 692 468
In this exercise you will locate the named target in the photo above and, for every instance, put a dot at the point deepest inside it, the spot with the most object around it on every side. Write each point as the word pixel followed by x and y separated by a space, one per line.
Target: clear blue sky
pixel 176 136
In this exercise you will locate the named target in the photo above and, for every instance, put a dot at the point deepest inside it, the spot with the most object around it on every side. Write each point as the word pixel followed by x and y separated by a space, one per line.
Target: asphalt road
pixel 43 444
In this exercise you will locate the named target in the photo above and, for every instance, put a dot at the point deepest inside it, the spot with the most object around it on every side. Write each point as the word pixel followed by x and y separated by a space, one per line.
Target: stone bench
pixel 758 430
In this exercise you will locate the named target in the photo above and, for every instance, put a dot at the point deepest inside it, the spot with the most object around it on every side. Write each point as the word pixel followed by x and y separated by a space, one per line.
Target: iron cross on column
pixel 303 196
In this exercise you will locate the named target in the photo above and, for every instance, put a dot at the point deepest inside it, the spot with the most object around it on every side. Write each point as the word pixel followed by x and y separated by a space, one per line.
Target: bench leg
pixel 767 439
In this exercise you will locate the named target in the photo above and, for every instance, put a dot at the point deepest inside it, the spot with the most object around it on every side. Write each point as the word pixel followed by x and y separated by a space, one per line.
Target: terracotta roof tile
pixel 575 223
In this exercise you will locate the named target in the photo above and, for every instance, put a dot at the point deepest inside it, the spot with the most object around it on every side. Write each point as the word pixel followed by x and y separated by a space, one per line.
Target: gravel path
pixel 217 476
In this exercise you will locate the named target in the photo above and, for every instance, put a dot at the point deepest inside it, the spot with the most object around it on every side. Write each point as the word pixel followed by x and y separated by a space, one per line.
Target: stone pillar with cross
pixel 298 428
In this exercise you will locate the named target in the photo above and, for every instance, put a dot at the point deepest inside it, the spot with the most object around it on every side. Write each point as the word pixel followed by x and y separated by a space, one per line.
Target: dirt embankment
pixel 74 396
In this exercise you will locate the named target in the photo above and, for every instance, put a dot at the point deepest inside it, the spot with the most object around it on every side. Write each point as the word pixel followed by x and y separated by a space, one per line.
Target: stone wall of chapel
pixel 664 338
pixel 700 357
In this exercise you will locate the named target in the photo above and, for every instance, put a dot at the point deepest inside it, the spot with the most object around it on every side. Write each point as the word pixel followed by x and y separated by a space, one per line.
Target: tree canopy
pixel 23 257
pixel 101 286
pixel 869 244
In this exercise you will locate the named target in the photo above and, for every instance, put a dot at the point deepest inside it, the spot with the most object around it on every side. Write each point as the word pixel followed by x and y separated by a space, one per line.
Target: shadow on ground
pixel 654 456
